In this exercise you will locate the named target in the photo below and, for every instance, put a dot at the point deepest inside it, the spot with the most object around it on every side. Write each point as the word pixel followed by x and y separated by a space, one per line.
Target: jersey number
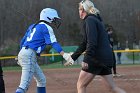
pixel 29 38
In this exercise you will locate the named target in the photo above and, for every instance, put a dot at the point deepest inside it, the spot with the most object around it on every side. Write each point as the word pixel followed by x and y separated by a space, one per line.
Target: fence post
pixel 133 58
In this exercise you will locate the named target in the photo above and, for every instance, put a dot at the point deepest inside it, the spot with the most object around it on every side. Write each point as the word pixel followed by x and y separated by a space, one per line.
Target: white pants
pixel 28 61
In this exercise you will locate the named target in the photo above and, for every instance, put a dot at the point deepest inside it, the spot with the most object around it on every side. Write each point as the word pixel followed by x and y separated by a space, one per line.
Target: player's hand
pixel 84 65
pixel 16 58
pixel 68 63
pixel 68 58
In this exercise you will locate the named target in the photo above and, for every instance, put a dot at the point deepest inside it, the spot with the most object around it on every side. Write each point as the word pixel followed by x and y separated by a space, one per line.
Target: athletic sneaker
pixel 117 75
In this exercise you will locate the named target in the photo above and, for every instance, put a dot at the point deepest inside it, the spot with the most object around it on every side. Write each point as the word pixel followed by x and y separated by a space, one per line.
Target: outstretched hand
pixel 68 58
pixel 68 64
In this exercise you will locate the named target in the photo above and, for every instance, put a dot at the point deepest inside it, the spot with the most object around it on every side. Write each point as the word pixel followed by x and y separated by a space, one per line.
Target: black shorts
pixel 99 70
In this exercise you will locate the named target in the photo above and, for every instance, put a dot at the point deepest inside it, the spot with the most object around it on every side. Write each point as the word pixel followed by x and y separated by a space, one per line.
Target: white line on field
pixel 121 79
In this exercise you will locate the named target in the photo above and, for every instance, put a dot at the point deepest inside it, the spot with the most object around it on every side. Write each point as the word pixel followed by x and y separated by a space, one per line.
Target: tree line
pixel 17 15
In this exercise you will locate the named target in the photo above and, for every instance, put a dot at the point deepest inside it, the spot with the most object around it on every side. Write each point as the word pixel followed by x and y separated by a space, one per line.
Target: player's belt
pixel 26 47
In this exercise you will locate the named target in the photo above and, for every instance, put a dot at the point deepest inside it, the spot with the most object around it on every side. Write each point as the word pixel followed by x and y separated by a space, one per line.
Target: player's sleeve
pixel 50 39
pixel 57 47
pixel 92 40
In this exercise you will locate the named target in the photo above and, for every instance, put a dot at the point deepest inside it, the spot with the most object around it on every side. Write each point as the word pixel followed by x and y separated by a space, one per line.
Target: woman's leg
pixel 84 79
pixel 109 81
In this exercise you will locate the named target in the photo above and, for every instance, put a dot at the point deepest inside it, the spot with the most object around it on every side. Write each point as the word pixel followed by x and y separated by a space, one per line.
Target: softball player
pixel 109 30
pixel 33 43
pixel 98 58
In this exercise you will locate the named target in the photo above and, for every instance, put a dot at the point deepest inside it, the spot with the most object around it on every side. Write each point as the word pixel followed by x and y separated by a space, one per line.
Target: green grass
pixel 13 68
pixel 57 65
pixel 128 65
pixel 136 56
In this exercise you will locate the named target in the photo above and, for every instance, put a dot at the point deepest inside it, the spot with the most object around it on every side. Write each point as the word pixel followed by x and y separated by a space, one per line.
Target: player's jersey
pixel 38 37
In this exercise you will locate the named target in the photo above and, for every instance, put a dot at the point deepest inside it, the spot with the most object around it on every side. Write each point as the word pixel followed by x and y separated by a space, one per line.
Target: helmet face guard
pixel 56 22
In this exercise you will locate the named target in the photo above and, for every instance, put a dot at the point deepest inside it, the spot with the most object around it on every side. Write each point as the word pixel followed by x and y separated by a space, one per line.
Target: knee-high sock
pixel 20 90
pixel 41 89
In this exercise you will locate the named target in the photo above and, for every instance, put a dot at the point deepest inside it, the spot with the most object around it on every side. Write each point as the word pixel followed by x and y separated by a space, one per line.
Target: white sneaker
pixel 117 75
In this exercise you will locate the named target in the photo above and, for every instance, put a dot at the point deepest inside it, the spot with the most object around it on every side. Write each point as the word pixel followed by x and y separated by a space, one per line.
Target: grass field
pixel 57 65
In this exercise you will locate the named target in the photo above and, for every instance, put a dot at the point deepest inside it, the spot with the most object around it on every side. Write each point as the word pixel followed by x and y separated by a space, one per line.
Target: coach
pixel 98 59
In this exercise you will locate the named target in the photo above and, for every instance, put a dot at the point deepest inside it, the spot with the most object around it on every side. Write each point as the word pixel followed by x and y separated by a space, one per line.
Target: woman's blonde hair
pixel 89 7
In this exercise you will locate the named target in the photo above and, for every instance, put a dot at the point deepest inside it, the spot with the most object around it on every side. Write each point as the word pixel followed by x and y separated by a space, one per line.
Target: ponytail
pixel 89 7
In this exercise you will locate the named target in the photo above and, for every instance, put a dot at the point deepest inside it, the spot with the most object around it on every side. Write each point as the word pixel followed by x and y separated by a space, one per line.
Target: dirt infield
pixel 64 81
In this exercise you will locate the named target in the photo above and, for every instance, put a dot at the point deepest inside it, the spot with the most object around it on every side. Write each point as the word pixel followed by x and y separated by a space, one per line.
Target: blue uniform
pixel 34 42
pixel 38 37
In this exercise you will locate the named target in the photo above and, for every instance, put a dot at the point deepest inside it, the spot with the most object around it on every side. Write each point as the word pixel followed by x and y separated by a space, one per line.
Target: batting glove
pixel 68 58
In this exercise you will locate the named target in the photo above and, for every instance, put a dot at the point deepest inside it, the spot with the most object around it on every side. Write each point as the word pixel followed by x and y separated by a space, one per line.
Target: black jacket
pixel 95 42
